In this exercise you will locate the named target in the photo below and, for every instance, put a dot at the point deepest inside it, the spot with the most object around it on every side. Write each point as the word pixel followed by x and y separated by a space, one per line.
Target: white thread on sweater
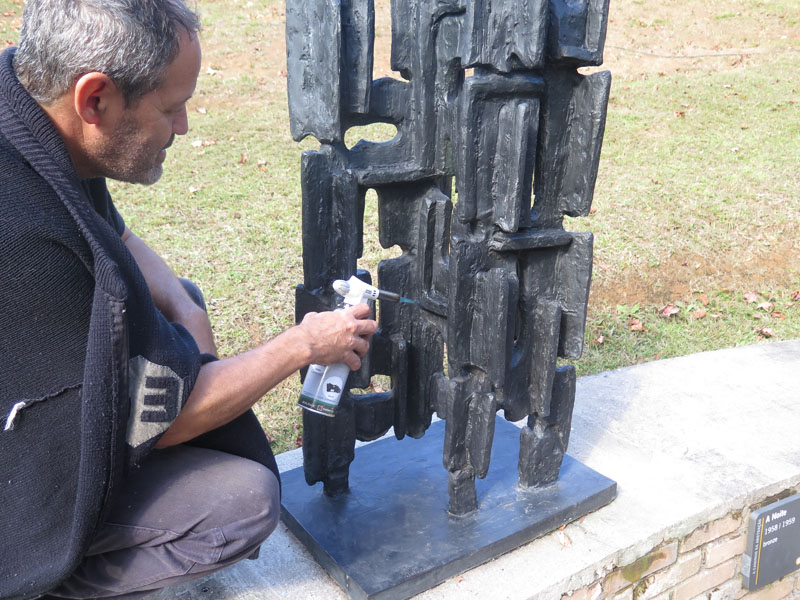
pixel 12 416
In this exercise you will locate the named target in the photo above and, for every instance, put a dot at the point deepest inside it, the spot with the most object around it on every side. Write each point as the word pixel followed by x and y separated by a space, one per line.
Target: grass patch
pixel 630 334
pixel 698 168
pixel 10 21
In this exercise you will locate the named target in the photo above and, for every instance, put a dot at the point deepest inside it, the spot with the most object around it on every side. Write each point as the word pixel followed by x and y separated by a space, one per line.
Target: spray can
pixel 324 385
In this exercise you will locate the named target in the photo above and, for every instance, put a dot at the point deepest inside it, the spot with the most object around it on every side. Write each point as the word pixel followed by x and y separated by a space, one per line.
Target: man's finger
pixel 360 311
pixel 353 361
pixel 366 327
pixel 360 346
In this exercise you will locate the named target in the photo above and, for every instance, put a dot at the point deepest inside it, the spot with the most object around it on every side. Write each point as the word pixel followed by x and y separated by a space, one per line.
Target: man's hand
pixel 338 336
pixel 226 388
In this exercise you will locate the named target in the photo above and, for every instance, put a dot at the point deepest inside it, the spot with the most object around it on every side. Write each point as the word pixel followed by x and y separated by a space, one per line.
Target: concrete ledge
pixel 687 439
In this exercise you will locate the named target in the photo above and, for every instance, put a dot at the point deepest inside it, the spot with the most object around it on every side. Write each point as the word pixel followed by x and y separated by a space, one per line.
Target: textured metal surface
pixel 473 189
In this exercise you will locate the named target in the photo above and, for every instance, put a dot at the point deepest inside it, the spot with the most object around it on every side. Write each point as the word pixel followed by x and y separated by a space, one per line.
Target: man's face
pixel 135 149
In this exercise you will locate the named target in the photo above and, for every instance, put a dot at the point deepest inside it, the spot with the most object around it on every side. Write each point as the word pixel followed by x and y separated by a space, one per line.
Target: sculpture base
pixel 391 537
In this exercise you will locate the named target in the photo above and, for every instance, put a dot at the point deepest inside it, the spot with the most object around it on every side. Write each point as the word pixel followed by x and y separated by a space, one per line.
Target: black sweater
pixel 91 373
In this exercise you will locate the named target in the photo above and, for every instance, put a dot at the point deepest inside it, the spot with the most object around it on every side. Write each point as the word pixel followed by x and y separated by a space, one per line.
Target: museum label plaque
pixel 773 543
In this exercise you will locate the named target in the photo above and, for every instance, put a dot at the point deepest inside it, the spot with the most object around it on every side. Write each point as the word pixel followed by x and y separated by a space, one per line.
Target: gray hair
pixel 131 41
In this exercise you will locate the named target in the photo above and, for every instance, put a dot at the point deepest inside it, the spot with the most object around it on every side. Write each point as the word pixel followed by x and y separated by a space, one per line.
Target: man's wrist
pixel 299 341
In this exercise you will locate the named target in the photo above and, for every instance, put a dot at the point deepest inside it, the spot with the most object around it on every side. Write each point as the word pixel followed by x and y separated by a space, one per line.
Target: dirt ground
pixel 674 36
pixel 682 37
pixel 679 36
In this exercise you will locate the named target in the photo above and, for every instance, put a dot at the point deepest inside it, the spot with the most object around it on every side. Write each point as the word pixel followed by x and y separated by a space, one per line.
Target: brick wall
pixel 703 565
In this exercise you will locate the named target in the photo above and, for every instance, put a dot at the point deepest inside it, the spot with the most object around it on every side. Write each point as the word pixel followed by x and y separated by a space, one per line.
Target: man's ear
pixel 96 98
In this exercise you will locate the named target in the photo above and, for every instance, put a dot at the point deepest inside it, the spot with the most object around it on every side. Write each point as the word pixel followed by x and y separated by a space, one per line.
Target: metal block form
pixel 473 189
pixel 578 31
pixel 322 37
pixel 505 34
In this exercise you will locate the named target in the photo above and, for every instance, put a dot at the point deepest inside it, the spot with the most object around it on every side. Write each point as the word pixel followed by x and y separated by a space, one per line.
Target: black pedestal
pixel 391 537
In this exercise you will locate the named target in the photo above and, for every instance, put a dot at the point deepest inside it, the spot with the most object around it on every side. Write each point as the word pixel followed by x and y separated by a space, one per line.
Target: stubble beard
pixel 127 156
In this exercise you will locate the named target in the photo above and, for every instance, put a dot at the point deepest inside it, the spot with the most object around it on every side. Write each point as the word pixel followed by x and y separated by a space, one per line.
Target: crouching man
pixel 130 458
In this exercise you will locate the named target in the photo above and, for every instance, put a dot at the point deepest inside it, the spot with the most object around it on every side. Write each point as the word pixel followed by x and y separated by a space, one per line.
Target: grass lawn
pixel 697 205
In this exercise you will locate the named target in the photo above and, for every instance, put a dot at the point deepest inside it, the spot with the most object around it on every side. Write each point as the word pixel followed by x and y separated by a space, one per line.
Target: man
pixel 130 457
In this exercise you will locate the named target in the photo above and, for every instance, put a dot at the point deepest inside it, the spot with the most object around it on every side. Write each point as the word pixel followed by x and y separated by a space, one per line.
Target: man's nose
pixel 180 125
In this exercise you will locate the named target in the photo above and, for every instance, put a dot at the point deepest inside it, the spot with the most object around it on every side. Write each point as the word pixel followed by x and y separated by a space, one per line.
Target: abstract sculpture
pixel 501 288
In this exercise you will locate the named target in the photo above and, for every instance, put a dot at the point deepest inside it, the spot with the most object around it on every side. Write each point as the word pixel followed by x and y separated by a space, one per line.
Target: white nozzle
pixel 341 287
pixel 354 290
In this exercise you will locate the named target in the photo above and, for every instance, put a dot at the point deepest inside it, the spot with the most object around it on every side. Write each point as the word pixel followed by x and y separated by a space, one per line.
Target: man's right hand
pixel 340 336
pixel 226 388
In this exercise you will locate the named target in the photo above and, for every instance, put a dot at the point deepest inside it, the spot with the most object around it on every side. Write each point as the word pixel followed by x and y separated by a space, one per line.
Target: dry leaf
pixel 564 539
pixel 243 159
pixel 765 332
pixel 767 306
pixel 600 340
pixel 699 313
pixel 704 299
pixel 750 297
pixel 636 325
pixel 668 311
pixel 778 315
pixel 796 295
pixel 201 109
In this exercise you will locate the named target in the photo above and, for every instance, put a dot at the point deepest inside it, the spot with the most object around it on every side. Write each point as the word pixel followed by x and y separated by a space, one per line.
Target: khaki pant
pixel 185 513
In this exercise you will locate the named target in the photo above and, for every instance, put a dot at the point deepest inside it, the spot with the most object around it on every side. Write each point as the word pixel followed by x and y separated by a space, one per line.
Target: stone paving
pixel 686 439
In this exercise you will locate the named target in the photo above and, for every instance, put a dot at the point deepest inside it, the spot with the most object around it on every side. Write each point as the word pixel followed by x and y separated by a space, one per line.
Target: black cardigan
pixel 91 373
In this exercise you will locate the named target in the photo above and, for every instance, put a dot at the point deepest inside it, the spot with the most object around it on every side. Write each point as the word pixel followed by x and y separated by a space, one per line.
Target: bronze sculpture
pixel 501 288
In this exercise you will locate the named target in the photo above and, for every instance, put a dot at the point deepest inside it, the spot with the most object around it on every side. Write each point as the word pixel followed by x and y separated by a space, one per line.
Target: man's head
pixel 131 41
pixel 114 75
